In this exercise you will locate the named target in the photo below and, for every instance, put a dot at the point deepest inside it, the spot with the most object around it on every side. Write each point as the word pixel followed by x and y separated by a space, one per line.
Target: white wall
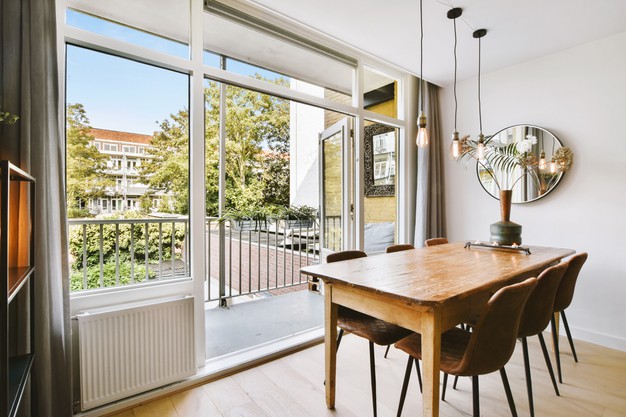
pixel 579 95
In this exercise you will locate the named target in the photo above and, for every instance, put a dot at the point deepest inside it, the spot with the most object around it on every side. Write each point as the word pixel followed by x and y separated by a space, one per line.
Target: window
pixel 165 28
pixel 122 104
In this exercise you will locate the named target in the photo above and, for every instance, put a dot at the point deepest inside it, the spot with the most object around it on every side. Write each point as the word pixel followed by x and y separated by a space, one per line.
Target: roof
pixel 115 136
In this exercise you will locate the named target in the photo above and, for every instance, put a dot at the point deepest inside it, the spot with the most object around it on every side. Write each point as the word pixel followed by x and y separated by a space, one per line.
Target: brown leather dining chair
pixel 563 299
pixel 487 349
pixel 535 318
pixel 435 241
pixel 399 247
pixel 376 331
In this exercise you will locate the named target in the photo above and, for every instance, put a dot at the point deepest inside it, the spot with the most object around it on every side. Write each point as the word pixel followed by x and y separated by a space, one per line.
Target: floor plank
pixel 293 387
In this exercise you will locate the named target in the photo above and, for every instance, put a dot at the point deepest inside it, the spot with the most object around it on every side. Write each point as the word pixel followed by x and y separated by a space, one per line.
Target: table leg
pixel 330 318
pixel 431 353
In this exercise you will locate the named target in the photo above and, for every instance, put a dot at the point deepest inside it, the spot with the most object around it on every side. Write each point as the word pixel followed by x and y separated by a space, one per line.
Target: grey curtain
pixel 430 219
pixel 29 79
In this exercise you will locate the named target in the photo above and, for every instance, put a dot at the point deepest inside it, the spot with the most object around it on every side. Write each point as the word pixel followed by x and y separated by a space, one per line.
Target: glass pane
pixel 127 175
pixel 380 92
pixel 269 57
pixel 333 192
pixel 162 26
pixel 380 203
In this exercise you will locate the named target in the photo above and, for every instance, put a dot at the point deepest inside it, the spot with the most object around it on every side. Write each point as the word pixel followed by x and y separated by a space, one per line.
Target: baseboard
pixel 595 338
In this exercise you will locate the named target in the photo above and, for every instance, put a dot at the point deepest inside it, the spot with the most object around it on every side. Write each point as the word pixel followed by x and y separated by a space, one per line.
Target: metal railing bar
pixel 173 249
pixel 85 285
pixel 132 253
pixel 160 251
pixel 101 258
pixel 147 251
pixel 117 254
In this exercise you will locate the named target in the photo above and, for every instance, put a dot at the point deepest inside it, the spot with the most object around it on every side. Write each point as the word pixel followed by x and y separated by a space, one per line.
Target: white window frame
pixel 197 71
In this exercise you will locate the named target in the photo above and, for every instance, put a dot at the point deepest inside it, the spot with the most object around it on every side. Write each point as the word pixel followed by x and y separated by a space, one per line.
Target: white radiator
pixel 132 350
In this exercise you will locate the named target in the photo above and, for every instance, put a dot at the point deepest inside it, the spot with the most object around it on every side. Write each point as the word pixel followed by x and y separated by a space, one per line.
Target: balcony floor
pixel 256 322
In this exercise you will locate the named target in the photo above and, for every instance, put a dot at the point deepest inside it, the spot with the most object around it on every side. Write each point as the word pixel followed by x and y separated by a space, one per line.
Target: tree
pixel 168 169
pixel 257 151
pixel 86 177
pixel 257 148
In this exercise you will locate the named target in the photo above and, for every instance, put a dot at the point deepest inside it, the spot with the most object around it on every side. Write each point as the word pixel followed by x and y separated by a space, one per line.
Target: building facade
pixel 126 152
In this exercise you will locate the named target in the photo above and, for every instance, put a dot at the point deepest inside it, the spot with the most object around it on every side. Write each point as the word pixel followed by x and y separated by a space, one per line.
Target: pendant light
pixel 422 134
pixel 456 145
pixel 480 147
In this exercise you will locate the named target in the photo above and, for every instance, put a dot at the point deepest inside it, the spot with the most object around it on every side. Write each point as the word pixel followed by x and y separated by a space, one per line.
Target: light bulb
pixel 542 160
pixel 480 147
pixel 422 133
pixel 552 166
pixel 456 145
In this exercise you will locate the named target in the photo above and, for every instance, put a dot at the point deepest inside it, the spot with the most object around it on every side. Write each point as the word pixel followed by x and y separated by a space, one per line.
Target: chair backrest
pixel 345 255
pixel 435 241
pixel 539 307
pixel 566 290
pixel 399 247
pixel 493 339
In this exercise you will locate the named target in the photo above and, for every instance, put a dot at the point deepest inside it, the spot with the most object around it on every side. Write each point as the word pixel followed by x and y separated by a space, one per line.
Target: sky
pixel 124 95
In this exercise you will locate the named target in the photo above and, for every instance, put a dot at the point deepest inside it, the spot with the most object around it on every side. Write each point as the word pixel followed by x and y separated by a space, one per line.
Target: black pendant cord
pixel 480 116
pixel 421 89
pixel 456 104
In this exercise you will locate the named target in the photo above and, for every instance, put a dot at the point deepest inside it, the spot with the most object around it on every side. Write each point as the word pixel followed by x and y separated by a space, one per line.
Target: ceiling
pixel 518 30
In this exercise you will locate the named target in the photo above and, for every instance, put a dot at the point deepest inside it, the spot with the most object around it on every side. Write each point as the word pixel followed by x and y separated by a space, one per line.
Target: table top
pixel 438 274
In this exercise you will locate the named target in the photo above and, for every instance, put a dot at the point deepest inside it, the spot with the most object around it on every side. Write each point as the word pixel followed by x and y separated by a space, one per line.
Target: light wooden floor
pixel 292 387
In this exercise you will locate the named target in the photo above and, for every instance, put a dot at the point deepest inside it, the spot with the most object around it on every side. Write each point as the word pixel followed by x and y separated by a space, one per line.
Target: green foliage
pixel 257 148
pixel 168 170
pixel 109 275
pixel 77 213
pixel 85 164
pixel 7 118
pixel 298 213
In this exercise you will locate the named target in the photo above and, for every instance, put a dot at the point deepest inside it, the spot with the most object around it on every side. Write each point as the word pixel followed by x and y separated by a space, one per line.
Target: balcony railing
pixel 109 253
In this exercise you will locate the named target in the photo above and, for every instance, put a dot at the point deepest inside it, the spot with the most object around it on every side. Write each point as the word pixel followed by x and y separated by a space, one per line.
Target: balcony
pixel 261 266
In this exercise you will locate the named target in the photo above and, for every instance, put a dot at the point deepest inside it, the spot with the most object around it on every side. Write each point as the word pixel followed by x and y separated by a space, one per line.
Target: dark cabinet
pixel 17 195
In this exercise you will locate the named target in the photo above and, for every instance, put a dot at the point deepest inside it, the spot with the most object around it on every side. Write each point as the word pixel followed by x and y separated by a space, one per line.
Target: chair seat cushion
pixel 453 345
pixel 375 330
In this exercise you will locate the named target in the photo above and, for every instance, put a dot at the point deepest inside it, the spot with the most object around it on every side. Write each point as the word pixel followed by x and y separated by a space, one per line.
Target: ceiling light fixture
pixel 456 146
pixel 480 147
pixel 422 134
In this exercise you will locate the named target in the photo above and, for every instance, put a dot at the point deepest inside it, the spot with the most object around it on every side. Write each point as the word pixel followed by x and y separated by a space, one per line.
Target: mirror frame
pixel 372 190
pixel 558 180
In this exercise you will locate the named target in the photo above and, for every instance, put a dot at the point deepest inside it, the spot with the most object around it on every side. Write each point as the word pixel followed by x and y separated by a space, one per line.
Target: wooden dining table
pixel 427 290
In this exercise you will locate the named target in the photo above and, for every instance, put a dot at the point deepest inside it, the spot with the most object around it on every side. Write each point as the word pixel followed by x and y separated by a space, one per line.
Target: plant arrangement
pixel 297 217
pixel 517 160
pixel 249 219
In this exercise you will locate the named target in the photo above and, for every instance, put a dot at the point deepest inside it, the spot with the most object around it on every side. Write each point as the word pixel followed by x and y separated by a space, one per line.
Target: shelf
pixel 16 278
pixel 19 369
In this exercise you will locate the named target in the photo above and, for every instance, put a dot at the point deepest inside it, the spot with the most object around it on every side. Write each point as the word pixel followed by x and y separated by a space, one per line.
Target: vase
pixel 506 232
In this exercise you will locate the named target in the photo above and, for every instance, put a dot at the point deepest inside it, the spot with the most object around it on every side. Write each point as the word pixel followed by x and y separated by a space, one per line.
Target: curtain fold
pixel 430 219
pixel 29 78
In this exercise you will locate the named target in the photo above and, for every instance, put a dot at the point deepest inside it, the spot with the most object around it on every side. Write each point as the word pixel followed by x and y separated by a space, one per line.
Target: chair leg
pixel 387 351
pixel 569 336
pixel 507 390
pixel 456 379
pixel 373 377
pixel 419 374
pixel 529 383
pixel 548 363
pixel 475 396
pixel 339 336
pixel 443 389
pixel 405 385
pixel 555 341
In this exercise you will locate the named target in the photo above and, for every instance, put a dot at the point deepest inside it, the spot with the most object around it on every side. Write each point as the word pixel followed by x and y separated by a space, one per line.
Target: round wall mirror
pixel 521 158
